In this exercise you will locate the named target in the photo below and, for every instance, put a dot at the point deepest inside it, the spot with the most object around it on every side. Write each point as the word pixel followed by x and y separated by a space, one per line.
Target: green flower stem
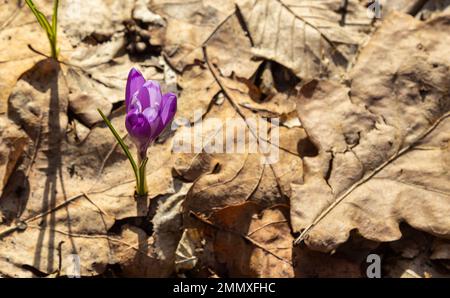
pixel 141 186
pixel 139 172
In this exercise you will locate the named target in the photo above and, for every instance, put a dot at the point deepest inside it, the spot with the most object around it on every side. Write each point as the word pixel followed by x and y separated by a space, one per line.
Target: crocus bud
pixel 148 111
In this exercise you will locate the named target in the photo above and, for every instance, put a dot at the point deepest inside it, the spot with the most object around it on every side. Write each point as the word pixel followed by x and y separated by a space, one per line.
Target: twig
pixel 38 52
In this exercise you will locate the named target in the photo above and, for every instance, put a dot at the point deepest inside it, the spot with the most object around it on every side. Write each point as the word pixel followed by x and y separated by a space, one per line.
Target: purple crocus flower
pixel 148 110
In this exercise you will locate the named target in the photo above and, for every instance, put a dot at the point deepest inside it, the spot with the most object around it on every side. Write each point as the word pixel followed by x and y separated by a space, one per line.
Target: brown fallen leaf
pixel 198 88
pixel 94 84
pixel 383 142
pixel 300 36
pixel 262 237
pixel 63 190
pixel 19 29
pixel 352 158
pixel 234 176
pixel 154 255
pixel 277 106
pixel 93 20
pixel 232 179
pixel 189 26
pixel 13 142
pixel 229 50
pixel 345 23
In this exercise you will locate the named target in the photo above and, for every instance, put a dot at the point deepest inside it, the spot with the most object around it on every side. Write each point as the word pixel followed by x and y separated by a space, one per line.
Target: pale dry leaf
pixel 262 237
pixel 383 142
pixel 39 246
pixel 237 179
pixel 19 30
pixel 187 31
pixel 99 18
pixel 198 89
pixel 137 256
pixel 229 164
pixel 277 106
pixel 190 141
pixel 187 250
pixel 189 25
pixel 228 49
pixel 63 190
pixel 101 85
pixel 13 142
pixel 155 254
pixel 167 222
pixel 285 164
pixel 300 36
pixel 343 22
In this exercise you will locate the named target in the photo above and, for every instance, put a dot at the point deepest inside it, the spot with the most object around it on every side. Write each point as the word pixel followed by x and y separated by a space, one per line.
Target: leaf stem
pixel 126 151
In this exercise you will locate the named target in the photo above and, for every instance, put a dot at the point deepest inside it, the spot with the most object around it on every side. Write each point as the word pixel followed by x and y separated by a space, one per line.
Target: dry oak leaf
pixel 299 35
pixel 154 255
pixel 277 106
pixel 63 192
pixel 262 236
pixel 19 29
pixel 280 143
pixel 228 49
pixel 12 144
pixel 232 178
pixel 198 88
pixel 190 25
pixel 345 23
pixel 383 143
pixel 190 142
pixel 93 20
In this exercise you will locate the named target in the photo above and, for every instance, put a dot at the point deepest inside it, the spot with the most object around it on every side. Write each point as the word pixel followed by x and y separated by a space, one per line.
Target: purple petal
pixel 154 90
pixel 168 108
pixel 151 114
pixel 138 129
pixel 143 97
pixel 149 95
pixel 135 105
pixel 134 82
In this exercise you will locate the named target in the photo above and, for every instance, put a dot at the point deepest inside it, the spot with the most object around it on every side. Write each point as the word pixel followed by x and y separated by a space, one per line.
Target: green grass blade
pixel 122 144
pixel 55 18
pixel 39 16
pixel 51 30
pixel 47 27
